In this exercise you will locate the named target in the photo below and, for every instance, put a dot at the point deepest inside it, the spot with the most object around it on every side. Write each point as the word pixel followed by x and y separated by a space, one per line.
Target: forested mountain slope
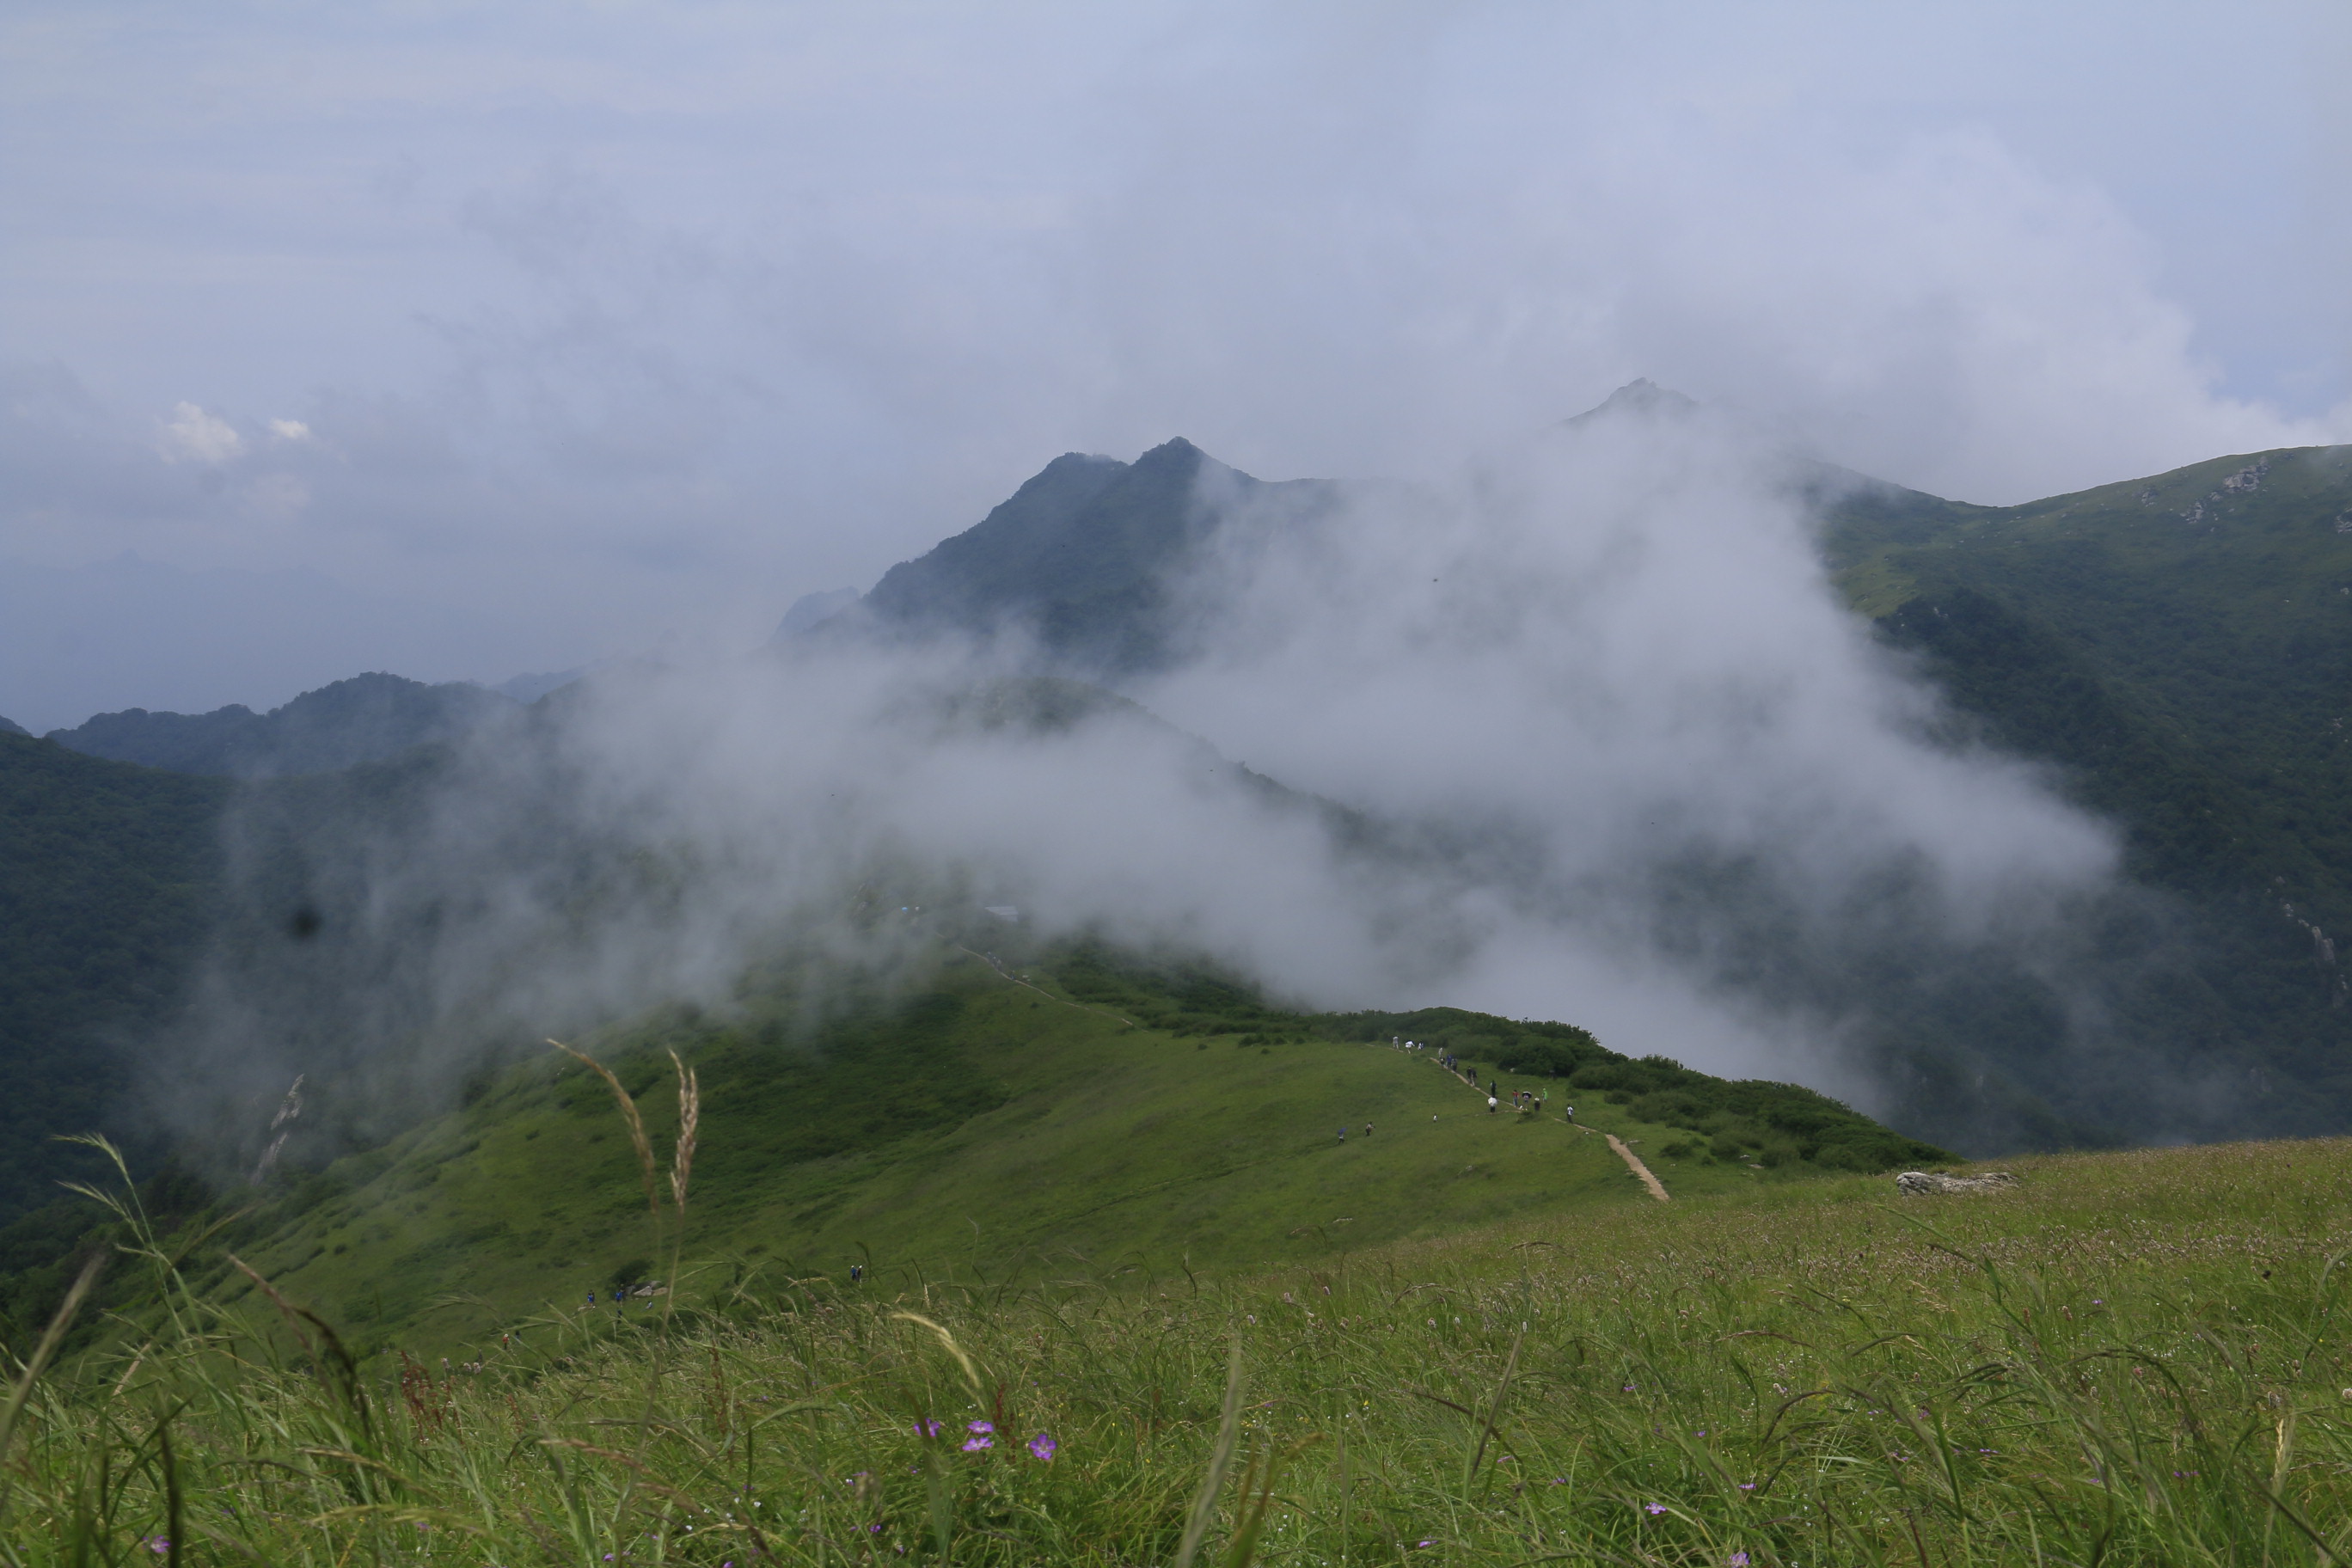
pixel 2180 648
pixel 109 874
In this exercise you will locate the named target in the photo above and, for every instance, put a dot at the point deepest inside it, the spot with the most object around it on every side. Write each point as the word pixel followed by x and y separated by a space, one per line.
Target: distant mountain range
pixel 98 638
pixel 364 719
pixel 2177 649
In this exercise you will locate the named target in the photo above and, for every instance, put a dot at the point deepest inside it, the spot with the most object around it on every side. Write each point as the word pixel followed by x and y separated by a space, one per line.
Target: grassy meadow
pixel 981 1124
pixel 2126 1358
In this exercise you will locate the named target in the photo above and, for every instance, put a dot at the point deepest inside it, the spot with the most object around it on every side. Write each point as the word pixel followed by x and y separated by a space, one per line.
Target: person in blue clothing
pixel 1343 1132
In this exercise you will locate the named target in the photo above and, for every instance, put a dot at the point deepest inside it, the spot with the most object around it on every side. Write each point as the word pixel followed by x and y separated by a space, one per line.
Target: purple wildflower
pixel 927 1427
pixel 1653 1507
pixel 1740 1560
pixel 157 1544
pixel 974 1444
pixel 1042 1445
pixel 873 1529
pixel 1424 1543
pixel 983 1428
pixel 1747 1486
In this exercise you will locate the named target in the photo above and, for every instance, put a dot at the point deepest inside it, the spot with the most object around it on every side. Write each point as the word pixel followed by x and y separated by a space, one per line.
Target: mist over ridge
pixel 1583 733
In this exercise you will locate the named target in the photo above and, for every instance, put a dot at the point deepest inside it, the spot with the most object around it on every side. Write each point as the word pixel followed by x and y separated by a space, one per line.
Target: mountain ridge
pixel 364 718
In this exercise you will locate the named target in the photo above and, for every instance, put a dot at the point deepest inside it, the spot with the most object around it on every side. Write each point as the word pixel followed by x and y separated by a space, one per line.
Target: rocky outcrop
pixel 1921 1184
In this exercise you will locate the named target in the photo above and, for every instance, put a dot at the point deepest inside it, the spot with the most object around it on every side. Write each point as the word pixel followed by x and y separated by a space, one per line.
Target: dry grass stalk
pixel 637 1138
pixel 690 1117
pixel 54 1335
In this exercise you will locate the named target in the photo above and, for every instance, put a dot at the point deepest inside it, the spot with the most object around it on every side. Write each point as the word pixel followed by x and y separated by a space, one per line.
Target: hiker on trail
pixel 1569 1114
pixel 1368 1129
pixel 1491 1103
pixel 1343 1132
pixel 857 1272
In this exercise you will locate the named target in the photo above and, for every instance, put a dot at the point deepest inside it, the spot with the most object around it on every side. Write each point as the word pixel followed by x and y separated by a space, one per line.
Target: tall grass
pixel 2129 1360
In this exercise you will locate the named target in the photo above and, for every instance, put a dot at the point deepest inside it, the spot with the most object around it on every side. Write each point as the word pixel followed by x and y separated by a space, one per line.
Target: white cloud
pixel 194 436
pixel 289 429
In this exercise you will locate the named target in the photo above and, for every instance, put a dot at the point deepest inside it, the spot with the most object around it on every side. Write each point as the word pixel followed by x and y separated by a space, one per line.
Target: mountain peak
pixel 1170 452
pixel 1644 397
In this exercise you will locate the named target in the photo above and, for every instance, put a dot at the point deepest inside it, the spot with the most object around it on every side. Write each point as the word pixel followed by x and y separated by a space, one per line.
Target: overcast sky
pixel 461 341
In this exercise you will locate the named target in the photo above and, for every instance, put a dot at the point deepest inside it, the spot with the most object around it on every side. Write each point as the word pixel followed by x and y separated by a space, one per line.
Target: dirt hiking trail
pixel 1634 1164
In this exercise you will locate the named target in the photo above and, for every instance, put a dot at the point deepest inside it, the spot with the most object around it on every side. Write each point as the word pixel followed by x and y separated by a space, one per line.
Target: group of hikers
pixel 1520 1099
pixel 621 1293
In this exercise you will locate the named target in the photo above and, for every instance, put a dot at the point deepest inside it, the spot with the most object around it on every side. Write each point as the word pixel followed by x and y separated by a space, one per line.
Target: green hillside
pixel 2180 648
pixel 2183 645
pixel 1012 1123
pixel 2130 1358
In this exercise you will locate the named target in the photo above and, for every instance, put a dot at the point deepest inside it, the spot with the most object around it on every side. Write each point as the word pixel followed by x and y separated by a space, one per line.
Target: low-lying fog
pixel 1616 754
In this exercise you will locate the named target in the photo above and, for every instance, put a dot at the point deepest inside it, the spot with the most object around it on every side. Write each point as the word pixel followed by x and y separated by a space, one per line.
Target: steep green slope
pixel 108 875
pixel 991 1123
pixel 2181 648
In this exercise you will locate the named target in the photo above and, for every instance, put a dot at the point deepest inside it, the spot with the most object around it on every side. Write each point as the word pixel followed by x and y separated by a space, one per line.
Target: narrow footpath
pixel 1632 1161
pixel 990 960
pixel 1634 1164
